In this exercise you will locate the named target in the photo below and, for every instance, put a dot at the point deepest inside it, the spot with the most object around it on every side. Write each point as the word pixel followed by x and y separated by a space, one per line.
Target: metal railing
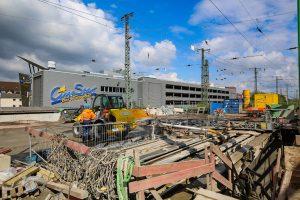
pixel 108 134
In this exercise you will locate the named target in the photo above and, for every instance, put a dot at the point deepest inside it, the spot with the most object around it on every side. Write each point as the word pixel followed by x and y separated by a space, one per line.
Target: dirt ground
pixel 14 136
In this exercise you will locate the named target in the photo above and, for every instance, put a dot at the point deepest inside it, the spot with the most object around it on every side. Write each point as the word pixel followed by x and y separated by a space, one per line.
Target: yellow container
pixel 246 94
pixel 262 100
pixel 263 126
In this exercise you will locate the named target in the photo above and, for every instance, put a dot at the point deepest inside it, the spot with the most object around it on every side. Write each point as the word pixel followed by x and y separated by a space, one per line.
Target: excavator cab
pixel 110 109
pixel 102 101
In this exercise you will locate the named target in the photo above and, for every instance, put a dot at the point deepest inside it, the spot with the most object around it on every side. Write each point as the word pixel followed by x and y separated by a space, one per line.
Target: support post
pixel 30 147
pixel 140 195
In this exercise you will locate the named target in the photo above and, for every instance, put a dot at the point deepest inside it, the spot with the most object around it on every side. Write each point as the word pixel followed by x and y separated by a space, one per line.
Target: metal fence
pixel 109 134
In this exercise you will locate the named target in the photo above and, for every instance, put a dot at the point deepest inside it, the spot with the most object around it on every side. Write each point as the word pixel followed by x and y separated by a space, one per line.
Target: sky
pixel 74 32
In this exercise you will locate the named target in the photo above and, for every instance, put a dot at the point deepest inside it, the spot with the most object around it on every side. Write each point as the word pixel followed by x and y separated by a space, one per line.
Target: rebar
pixel 94 172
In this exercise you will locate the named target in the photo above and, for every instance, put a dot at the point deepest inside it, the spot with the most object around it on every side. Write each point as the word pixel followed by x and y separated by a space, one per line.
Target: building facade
pixel 10 100
pixel 71 89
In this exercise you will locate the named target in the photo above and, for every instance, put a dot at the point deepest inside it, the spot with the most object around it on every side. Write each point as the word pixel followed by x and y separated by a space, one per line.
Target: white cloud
pixel 160 54
pixel 172 76
pixel 113 5
pixel 180 29
pixel 225 42
pixel 42 32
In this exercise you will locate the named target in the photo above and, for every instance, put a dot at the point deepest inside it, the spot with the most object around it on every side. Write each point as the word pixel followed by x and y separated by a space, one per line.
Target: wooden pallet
pixel 12 193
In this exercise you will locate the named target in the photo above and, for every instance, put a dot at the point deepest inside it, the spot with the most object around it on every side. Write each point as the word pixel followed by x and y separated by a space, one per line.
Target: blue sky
pixel 73 32
pixel 156 21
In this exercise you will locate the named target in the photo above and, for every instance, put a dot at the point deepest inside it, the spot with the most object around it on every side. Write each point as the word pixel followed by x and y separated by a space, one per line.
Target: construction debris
pixel 217 157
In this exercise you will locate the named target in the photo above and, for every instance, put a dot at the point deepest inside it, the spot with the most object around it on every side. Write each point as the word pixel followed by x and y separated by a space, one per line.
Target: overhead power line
pixel 231 23
pixel 256 24
pixel 258 18
pixel 86 18
pixel 240 32
pixel 97 16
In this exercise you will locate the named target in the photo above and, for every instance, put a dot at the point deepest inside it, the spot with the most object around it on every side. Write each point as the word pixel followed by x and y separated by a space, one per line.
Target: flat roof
pixel 120 76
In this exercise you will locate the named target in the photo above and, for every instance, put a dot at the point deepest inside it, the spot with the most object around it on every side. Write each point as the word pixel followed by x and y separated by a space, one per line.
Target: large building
pixel 59 88
pixel 10 100
pixel 10 87
pixel 10 95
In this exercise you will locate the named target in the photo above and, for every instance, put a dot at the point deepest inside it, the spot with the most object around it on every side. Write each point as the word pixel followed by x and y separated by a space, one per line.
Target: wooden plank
pixel 207 194
pixel 140 194
pixel 219 153
pixel 155 195
pixel 276 171
pixel 218 177
pixel 170 178
pixel 208 176
pixel 165 168
pixel 292 157
pixel 75 192
pixel 285 185
pixel 26 172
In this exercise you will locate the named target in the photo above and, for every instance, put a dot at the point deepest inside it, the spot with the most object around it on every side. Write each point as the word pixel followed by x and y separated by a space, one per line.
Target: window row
pixel 173 94
pixel 186 102
pixel 112 89
pixel 180 87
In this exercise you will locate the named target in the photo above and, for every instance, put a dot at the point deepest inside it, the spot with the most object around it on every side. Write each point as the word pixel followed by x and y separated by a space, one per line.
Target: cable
pixel 74 9
pixel 233 25
pixel 240 32
pixel 258 18
pixel 257 27
pixel 105 25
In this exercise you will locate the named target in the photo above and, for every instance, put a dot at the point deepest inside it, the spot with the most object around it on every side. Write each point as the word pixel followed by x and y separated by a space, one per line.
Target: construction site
pixel 71 133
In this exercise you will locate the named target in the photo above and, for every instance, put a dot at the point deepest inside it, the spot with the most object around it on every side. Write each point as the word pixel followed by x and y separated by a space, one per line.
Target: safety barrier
pixel 97 134
pixel 159 175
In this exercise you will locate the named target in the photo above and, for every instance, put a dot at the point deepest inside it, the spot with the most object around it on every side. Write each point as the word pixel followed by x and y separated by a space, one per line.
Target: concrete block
pixel 5 161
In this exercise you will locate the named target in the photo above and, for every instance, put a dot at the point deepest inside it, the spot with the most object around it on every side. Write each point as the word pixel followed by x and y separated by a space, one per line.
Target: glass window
pixel 117 101
pixel 97 102
pixel 105 102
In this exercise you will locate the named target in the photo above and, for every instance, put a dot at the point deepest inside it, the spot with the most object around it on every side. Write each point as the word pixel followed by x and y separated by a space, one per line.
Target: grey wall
pixel 147 91
pixel 51 79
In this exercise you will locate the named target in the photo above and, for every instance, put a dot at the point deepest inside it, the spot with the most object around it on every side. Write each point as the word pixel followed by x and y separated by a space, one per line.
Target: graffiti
pixel 62 95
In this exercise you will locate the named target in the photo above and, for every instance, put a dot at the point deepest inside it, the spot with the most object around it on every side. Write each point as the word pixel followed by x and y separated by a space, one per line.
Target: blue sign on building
pixel 62 95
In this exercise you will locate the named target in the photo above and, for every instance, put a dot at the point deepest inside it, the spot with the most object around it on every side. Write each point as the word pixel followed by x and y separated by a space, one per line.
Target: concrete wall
pixel 10 102
pixel 43 117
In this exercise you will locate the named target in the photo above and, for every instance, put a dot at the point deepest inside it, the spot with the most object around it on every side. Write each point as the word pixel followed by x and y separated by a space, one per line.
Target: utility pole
pixel 277 80
pixel 127 73
pixel 255 78
pixel 298 11
pixel 204 77
pixel 287 93
pixel 205 82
